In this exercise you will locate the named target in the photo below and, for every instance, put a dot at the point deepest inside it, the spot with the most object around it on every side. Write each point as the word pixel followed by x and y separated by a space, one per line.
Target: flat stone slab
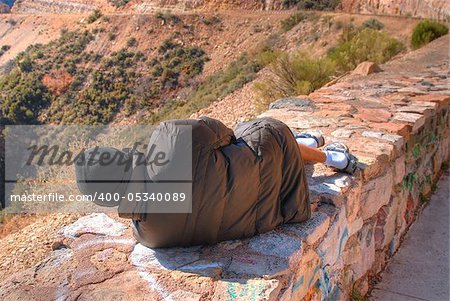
pixel 311 230
pixel 95 223
pixel 170 258
pixel 275 244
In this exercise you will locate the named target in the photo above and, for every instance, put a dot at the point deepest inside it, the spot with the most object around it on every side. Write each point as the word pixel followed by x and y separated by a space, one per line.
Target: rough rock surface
pixel 434 9
pixel 52 6
pixel 366 68
pixel 357 225
pixel 4 8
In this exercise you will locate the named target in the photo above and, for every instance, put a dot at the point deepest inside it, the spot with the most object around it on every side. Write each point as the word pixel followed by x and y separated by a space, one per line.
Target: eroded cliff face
pixel 60 6
pixel 435 9
pixel 77 6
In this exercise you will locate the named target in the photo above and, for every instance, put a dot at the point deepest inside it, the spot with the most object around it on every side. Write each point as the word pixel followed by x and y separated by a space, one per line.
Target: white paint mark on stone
pixel 96 223
pixel 79 274
pixel 325 188
pixel 62 291
pixel 154 285
pixel 170 258
pixel 97 241
pixel 203 266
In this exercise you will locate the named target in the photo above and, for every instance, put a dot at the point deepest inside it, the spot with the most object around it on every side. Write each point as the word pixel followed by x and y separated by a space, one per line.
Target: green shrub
pixel 131 42
pixel 427 31
pixel 214 20
pixel 292 21
pixel 166 45
pixel 168 17
pixel 12 22
pixel 111 36
pixel 296 74
pixel 364 45
pixel 373 24
pixel 312 4
pixel 23 96
pixel 339 25
pixel 96 14
pixel 301 74
pixel 4 48
pixel 119 3
pixel 25 64
pixel 219 85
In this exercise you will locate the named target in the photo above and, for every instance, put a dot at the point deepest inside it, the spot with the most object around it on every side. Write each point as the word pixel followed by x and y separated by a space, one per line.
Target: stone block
pixel 370 166
pixel 426 109
pixel 95 223
pixel 386 224
pixel 308 275
pixel 185 296
pixel 342 133
pixel 206 268
pixel 329 282
pixel 257 265
pixel 373 115
pixel 415 120
pixel 400 199
pixel 129 285
pixel 311 230
pixel 359 253
pixel 399 169
pixel 380 150
pixel 301 103
pixel 353 203
pixel 366 68
pixel 275 244
pixel 390 226
pixel 286 292
pixel 440 99
pixel 362 286
pixel 165 259
pixel 330 187
pixel 375 194
pixel 355 226
pixel 411 91
pixel 335 239
pixel 246 289
pixel 402 129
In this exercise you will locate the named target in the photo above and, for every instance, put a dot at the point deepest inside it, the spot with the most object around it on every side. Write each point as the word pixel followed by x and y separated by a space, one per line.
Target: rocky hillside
pixel 140 6
pixel 59 6
pixel 181 50
pixel 154 52
pixel 436 9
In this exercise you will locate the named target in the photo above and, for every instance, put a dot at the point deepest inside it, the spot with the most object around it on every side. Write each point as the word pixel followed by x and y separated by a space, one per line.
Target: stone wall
pixel 396 122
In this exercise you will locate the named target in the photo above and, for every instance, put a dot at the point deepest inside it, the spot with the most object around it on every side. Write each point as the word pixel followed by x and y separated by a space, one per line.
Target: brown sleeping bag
pixel 244 183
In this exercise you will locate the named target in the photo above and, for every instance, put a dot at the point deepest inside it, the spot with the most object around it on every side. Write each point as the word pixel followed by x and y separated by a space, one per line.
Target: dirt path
pixel 420 270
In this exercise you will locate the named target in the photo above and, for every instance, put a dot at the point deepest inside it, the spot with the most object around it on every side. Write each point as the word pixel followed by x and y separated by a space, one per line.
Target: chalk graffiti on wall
pixel 247 292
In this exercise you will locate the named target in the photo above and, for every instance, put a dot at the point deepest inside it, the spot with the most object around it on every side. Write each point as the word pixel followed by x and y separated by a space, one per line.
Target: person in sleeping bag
pixel 244 182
